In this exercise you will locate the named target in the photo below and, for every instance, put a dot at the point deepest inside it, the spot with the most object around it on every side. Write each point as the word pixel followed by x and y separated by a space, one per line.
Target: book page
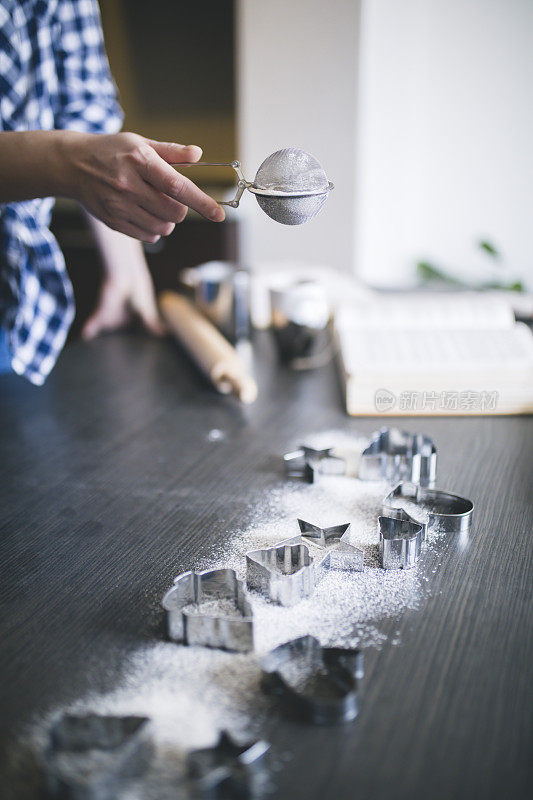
pixel 428 311
pixel 433 350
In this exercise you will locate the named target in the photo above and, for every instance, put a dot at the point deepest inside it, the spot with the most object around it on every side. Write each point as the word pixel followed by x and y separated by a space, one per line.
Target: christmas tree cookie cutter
pixel 285 573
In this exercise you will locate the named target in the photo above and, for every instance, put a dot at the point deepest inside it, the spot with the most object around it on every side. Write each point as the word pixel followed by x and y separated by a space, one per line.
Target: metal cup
pixel 301 315
pixel 221 291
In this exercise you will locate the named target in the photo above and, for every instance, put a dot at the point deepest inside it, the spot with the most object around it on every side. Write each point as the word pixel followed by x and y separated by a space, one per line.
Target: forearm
pixel 117 250
pixel 33 164
pixel 123 179
pixel 127 287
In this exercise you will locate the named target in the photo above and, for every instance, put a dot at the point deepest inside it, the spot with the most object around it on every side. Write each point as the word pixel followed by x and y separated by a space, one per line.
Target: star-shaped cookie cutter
pixel 285 573
pixel 437 511
pixel 342 555
pixel 186 622
pixel 319 684
pixel 308 463
pixel 229 769
pixel 395 455
pixel 90 757
pixel 400 540
pixel 322 536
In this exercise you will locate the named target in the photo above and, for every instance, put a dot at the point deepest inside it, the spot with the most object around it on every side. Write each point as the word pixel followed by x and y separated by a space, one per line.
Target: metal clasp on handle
pixel 242 183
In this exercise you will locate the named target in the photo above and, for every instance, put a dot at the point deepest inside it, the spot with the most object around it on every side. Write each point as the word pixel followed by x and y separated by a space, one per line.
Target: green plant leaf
pixel 489 248
pixel 428 272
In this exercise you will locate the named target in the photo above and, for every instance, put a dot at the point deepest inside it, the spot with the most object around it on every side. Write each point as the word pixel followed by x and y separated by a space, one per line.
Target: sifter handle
pixel 242 183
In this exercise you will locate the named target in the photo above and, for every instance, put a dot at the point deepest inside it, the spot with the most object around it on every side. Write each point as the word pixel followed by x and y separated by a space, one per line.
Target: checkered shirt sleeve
pixel 54 74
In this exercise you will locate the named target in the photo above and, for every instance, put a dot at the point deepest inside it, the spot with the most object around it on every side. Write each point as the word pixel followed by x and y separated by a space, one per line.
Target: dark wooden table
pixel 101 467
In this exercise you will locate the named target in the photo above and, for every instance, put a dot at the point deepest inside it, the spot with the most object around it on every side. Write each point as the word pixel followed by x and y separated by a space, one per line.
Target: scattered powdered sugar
pixel 191 693
pixel 419 512
pixel 216 435
pixel 221 607
pixel 346 607
pixel 344 611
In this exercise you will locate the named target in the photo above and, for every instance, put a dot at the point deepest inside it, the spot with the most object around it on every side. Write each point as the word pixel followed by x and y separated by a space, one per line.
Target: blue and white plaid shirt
pixel 54 74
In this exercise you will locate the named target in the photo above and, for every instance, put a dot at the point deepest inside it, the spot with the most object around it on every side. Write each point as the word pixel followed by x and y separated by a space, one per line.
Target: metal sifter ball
pixel 291 186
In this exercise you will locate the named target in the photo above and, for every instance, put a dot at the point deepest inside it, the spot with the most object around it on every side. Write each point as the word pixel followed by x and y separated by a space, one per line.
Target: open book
pixel 432 353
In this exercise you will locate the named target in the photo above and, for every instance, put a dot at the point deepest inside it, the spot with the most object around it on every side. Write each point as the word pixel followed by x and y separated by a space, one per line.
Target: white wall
pixel 297 71
pixel 445 135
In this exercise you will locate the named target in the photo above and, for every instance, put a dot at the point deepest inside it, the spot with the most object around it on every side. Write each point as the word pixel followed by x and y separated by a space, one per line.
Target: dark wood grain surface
pixel 103 466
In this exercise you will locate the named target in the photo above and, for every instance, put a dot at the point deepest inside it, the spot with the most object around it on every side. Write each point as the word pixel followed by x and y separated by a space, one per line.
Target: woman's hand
pixel 127 182
pixel 127 291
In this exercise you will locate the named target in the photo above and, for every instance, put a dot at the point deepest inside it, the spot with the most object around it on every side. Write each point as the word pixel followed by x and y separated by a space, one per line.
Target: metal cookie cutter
pixel 187 623
pixel 317 683
pixel 308 463
pixel 435 510
pixel 400 540
pixel 285 573
pixel 395 455
pixel 89 757
pixel 342 555
pixel 229 769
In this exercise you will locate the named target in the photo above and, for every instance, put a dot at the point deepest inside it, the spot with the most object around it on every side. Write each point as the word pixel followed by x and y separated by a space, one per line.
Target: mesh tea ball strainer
pixel 290 185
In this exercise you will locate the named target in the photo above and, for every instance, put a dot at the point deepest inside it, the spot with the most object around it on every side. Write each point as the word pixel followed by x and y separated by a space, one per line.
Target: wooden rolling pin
pixel 213 354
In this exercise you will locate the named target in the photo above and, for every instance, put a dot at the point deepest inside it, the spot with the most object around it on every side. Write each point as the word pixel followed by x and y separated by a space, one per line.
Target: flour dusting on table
pixel 190 693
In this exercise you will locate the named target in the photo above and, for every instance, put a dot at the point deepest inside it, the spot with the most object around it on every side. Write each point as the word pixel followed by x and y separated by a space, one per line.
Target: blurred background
pixel 419 111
